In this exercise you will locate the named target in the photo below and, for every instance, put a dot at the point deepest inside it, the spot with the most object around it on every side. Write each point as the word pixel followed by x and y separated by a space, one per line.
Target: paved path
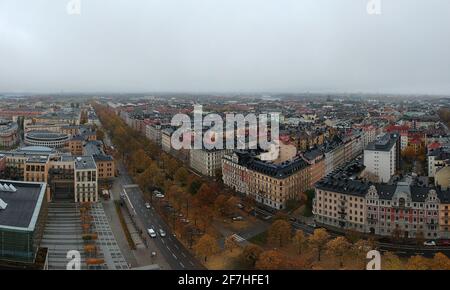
pixel 106 240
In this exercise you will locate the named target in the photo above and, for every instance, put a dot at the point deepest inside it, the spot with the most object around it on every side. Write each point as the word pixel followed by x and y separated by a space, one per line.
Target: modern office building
pixel 22 217
pixel 86 179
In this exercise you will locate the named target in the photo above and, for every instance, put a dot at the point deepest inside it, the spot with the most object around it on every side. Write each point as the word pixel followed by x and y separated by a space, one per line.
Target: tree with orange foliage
pixel 300 241
pixel 338 247
pixel 250 255
pixel 279 233
pixel 270 260
pixel 390 261
pixel 318 241
pixel 206 246
pixel 440 262
pixel 418 263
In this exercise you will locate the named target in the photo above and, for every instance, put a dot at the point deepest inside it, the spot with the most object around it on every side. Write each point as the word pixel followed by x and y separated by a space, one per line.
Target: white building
pixel 381 157
pixel 207 162
pixel 86 185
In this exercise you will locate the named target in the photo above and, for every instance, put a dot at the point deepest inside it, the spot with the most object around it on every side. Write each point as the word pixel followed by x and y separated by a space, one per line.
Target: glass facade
pixel 17 245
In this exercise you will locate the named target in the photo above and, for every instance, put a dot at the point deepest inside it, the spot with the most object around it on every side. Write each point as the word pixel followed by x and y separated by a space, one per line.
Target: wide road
pixel 176 255
pixel 174 252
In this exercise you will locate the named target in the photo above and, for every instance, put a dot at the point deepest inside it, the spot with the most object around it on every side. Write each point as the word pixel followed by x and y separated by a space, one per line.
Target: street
pixel 175 254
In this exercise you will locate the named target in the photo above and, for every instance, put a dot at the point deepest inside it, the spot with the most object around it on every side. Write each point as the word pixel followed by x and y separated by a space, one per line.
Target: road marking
pixel 181 264
pixel 177 247
pixel 174 256
pixel 191 263
pixel 238 238
pixel 184 255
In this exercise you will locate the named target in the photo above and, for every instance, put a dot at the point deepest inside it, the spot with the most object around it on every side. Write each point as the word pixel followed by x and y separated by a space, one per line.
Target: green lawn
pixel 259 239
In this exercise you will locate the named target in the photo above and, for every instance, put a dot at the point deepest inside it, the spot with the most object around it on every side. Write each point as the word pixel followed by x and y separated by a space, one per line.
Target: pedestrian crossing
pixel 238 238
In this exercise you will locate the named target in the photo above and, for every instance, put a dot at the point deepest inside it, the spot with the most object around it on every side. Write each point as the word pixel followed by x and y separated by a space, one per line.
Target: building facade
pixel 9 136
pixel 402 210
pixel 270 184
pixel 381 157
pixel 207 162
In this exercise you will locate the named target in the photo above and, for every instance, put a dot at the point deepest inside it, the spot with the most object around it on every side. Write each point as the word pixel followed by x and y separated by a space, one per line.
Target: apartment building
pixel 207 162
pixel 382 156
pixel 437 159
pixel 153 132
pixel 444 212
pixel 106 167
pixel 404 209
pixel 316 159
pixel 268 183
pixel 369 135
pixel 334 156
pixel 166 139
pixel 75 145
pixel 9 135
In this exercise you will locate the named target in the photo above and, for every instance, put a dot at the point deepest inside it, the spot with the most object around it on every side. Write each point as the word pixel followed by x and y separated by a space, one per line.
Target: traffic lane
pixel 149 222
pixel 173 246
pixel 169 246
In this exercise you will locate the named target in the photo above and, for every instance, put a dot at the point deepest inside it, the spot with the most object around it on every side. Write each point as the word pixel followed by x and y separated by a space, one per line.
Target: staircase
pixel 62 234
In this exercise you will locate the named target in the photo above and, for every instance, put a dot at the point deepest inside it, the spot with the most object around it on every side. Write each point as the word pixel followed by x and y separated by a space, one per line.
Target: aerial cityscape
pixel 192 158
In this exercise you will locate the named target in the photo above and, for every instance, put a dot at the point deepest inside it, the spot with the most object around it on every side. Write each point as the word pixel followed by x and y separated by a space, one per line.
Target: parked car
pixel 240 206
pixel 162 233
pixel 292 219
pixel 151 233
pixel 444 243
pixel 429 243
pixel 267 217
pixel 238 218
pixel 147 205
pixel 183 220
pixel 159 195
pixel 313 225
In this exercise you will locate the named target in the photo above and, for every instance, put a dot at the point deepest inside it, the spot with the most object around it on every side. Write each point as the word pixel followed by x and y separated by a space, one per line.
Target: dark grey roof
pixel 312 154
pixel 23 206
pixel 248 158
pixel 344 185
pixel 385 191
pixel 444 196
pixel 385 143
pixel 85 162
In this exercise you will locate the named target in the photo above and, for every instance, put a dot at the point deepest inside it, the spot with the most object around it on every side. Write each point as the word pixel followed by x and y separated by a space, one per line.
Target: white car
pixel 151 233
pixel 147 205
pixel 429 243
pixel 159 195
pixel 162 233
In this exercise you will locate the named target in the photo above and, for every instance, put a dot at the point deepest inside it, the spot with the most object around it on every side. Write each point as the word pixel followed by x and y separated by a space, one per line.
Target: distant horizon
pixel 221 93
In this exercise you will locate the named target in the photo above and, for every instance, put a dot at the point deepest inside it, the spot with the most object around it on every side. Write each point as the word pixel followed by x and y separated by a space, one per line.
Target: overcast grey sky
pixel 225 45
